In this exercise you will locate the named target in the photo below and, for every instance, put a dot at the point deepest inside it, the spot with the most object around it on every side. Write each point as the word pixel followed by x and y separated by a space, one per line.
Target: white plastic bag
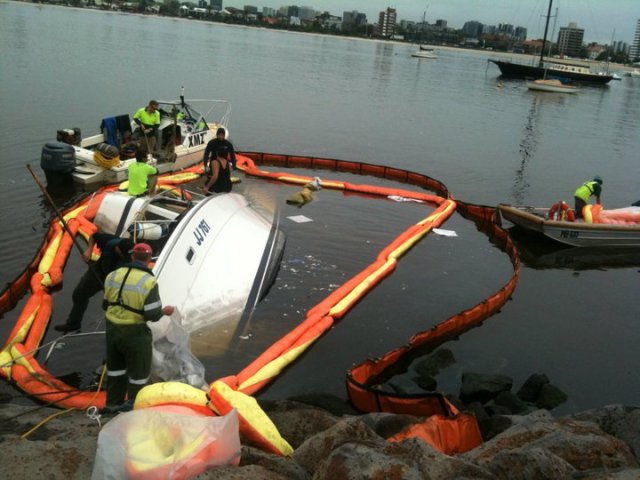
pixel 172 359
pixel 167 442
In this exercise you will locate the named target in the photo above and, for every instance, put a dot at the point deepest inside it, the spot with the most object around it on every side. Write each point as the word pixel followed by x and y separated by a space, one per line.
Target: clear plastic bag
pixel 172 359
pixel 167 442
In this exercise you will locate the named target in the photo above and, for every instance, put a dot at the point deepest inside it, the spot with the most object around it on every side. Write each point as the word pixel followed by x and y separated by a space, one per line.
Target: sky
pixel 599 18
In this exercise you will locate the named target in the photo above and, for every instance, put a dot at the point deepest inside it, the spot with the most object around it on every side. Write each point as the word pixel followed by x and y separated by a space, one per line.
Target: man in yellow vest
pixel 148 119
pixel 586 190
pixel 131 298
pixel 142 176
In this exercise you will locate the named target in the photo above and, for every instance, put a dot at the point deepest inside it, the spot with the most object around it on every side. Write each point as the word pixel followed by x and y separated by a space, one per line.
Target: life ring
pixel 561 212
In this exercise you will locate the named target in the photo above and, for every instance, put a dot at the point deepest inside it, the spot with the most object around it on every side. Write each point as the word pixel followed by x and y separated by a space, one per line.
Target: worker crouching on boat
pixel 586 190
pixel 131 298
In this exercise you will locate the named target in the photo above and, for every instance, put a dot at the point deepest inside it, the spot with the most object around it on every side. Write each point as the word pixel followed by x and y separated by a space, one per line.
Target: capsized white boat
pixel 185 129
pixel 217 256
pixel 551 85
pixel 577 233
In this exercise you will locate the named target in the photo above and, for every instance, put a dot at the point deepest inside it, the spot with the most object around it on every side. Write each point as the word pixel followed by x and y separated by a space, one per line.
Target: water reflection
pixel 382 65
pixel 626 123
pixel 527 146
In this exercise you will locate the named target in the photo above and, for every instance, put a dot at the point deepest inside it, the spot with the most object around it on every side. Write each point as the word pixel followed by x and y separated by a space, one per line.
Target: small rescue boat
pixel 551 85
pixel 424 54
pixel 102 159
pixel 601 233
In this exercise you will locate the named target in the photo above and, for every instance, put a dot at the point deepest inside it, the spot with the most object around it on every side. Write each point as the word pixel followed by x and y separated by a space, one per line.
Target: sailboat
pixel 573 72
pixel 424 51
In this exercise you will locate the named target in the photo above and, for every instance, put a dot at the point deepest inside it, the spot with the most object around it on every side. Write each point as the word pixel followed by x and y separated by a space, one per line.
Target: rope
pixel 52 342
pixel 92 411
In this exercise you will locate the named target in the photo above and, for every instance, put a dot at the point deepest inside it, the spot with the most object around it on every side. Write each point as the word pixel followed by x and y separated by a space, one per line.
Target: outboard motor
pixel 57 158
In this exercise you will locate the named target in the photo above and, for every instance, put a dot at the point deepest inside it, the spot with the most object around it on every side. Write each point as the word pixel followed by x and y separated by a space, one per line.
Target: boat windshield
pixel 195 112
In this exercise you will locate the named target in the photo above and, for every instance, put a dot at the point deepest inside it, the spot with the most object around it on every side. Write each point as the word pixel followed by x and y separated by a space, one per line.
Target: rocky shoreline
pixel 332 441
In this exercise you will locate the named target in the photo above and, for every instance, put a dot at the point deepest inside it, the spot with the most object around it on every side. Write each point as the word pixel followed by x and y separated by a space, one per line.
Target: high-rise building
pixel 216 5
pixel 506 29
pixel 441 24
pixel 472 28
pixel 570 40
pixel 268 12
pixel 521 33
pixel 387 22
pixel 634 53
pixel 307 13
pixel 293 11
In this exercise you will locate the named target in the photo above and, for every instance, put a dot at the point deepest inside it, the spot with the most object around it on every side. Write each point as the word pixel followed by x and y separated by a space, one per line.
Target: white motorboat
pixel 424 54
pixel 551 85
pixel 217 256
pixel 183 134
pixel 577 233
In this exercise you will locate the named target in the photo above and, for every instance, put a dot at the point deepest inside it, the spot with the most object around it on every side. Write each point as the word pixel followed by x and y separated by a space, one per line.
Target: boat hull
pixel 518 70
pixel 424 54
pixel 542 86
pixel 217 263
pixel 576 234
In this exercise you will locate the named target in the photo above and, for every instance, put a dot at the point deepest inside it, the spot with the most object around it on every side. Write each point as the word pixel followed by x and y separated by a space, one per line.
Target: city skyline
pixel 598 18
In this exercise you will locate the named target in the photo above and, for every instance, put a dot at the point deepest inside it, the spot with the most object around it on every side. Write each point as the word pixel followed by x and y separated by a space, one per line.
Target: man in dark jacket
pixel 218 146
pixel 114 253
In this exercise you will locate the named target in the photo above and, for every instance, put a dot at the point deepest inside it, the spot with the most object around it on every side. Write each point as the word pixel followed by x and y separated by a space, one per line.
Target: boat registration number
pixel 196 139
pixel 569 234
pixel 201 231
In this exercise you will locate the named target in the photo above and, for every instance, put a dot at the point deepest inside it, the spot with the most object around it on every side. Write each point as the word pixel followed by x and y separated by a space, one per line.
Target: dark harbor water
pixel 574 315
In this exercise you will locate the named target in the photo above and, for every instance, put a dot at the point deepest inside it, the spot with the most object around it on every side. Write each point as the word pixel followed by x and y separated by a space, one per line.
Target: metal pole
pixel 544 38
pixel 65 226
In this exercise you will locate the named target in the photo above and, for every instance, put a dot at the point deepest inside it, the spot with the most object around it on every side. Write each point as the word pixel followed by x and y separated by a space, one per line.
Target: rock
pixel 433 464
pixel 426 383
pixel 523 464
pixel 482 388
pixel 619 421
pixel 388 424
pixel 432 364
pixel 302 423
pixel 550 397
pixel 492 426
pixel 511 401
pixel 349 430
pixel 352 461
pixel 283 466
pixel 626 474
pixel 63 448
pixel 478 410
pixel 493 409
pixel 331 403
pixel 531 387
pixel 581 444
pixel 239 473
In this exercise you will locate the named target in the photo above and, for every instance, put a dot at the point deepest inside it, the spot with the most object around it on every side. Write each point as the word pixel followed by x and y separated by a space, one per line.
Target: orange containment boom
pixel 444 427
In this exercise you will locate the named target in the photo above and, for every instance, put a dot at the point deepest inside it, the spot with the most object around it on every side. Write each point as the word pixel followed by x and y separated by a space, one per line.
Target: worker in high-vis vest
pixel 148 119
pixel 131 298
pixel 586 190
pixel 142 177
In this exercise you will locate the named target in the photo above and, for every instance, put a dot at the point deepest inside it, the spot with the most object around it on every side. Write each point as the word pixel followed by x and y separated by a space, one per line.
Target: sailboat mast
pixel 544 38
